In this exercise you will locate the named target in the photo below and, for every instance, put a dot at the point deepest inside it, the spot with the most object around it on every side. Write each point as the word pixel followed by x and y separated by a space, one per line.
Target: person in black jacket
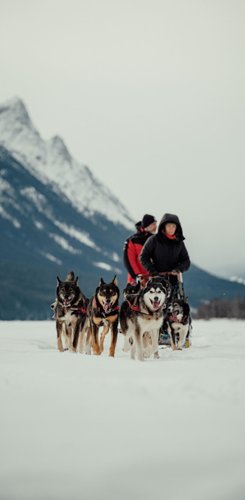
pixel 166 251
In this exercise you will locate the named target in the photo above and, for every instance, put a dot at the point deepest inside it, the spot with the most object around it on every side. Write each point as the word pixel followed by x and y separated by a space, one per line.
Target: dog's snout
pixel 156 298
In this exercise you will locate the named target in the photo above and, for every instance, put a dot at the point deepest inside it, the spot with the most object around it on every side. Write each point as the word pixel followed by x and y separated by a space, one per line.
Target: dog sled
pixel 177 316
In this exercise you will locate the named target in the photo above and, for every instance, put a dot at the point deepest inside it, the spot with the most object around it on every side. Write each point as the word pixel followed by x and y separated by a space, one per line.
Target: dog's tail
pixel 70 276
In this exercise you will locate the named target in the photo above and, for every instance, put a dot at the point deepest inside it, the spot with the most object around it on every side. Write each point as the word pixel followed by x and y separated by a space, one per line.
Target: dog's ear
pixel 114 281
pixel 186 309
pixel 101 282
pixel 58 280
pixel 76 280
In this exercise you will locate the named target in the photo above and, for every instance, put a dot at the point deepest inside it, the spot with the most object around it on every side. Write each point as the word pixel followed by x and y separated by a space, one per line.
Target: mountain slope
pixel 51 162
pixel 43 235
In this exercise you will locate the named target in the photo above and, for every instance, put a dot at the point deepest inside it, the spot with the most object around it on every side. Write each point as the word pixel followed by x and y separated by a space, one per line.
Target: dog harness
pixel 134 307
pixel 82 310
pixel 148 314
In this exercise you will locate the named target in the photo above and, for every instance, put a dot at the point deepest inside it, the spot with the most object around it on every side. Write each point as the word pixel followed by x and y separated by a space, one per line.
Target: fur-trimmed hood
pixel 171 218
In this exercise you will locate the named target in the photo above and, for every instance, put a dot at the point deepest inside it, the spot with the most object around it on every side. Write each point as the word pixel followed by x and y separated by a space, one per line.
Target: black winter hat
pixel 147 220
pixel 138 225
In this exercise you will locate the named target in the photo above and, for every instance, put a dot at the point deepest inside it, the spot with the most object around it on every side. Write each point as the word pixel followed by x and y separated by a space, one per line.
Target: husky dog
pixel 131 291
pixel 103 311
pixel 145 318
pixel 178 322
pixel 70 312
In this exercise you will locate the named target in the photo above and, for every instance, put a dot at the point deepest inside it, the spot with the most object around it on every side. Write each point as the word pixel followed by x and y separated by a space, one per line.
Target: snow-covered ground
pixel 96 428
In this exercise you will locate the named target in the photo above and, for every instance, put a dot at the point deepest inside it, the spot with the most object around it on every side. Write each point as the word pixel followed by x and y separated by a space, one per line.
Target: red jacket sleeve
pixel 133 258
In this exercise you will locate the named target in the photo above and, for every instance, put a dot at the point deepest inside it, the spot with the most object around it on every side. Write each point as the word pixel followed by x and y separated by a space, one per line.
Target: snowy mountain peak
pixel 14 110
pixel 58 145
pixel 18 134
pixel 51 162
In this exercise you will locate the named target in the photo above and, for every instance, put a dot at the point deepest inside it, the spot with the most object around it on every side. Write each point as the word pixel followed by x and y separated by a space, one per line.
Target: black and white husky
pixel 178 322
pixel 142 318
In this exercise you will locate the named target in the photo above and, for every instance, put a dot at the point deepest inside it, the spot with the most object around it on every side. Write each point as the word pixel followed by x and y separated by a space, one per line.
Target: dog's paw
pixel 147 353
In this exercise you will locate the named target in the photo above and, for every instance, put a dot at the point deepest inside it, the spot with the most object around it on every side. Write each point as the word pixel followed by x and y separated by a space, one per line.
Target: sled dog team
pixel 82 324
pixel 155 305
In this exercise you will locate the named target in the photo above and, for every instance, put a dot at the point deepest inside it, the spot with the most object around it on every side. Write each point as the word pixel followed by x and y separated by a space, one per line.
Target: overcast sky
pixel 151 95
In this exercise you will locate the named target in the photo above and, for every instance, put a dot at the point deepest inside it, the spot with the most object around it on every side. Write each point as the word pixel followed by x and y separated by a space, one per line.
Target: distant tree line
pixel 222 308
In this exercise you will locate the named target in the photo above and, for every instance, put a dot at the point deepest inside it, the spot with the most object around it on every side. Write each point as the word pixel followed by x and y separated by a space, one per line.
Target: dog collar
pixel 82 310
pixel 134 307
pixel 149 313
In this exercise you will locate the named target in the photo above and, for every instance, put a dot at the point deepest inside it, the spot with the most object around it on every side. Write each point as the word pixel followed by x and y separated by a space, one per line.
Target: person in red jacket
pixel 134 244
